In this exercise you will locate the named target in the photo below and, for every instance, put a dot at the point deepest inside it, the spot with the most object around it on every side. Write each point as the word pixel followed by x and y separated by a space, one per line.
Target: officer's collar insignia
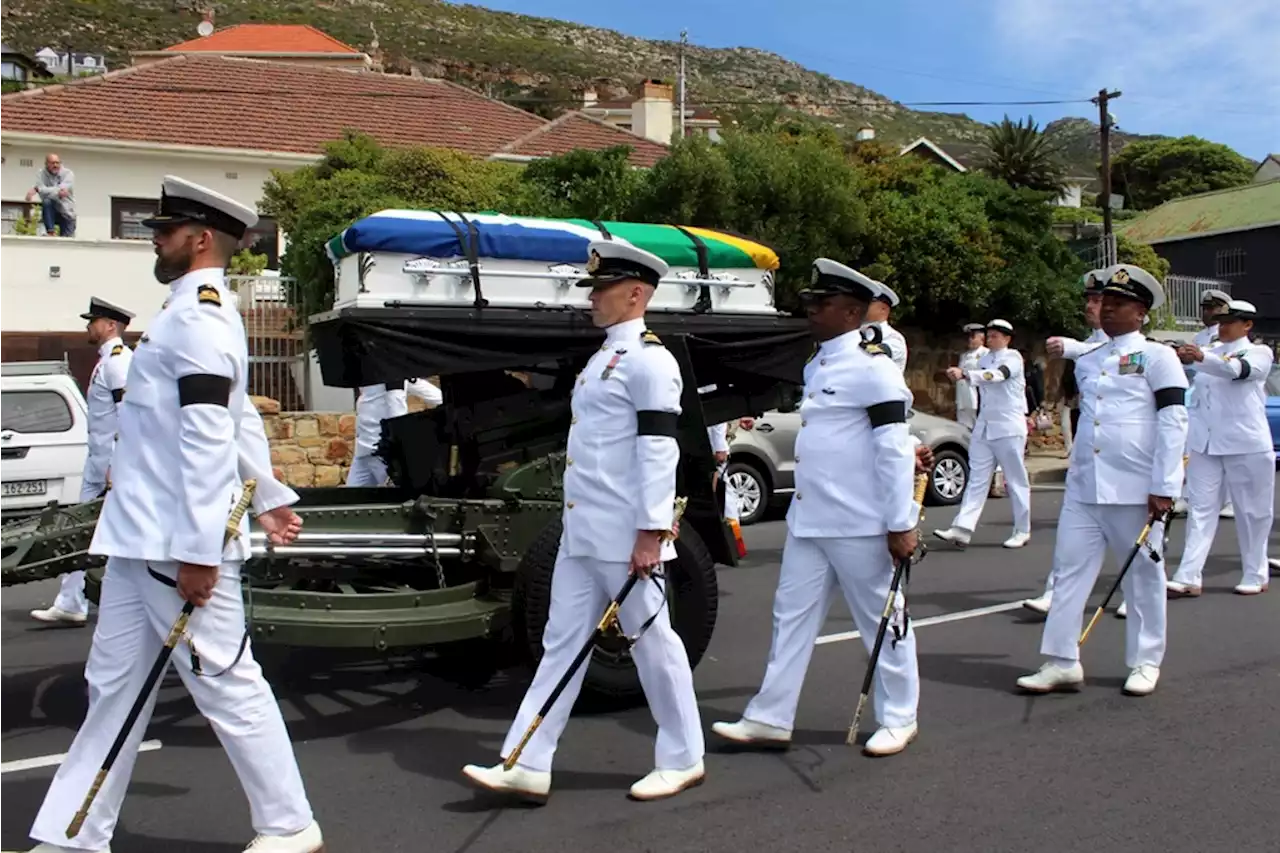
pixel 117 349
pixel 593 262
pixel 208 293
pixel 649 337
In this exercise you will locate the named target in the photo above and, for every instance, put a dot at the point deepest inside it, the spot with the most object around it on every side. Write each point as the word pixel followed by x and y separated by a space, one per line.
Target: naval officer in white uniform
pixel 105 326
pixel 619 492
pixel 852 516
pixel 1126 469
pixel 176 473
pixel 376 404
pixel 1230 445
pixel 878 312
pixel 999 438
pixel 1213 303
pixel 966 394
pixel 1072 349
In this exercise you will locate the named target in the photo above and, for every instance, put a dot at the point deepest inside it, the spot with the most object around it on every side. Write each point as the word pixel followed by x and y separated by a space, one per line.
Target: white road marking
pixel 51 760
pixel 931 620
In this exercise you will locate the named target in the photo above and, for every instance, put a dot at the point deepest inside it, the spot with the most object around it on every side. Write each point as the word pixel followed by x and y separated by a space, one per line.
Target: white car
pixel 44 436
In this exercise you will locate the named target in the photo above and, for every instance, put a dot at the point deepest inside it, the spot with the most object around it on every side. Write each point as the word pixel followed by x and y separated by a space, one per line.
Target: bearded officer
pixel 620 490
pixel 842 530
pixel 106 324
pixel 1230 445
pixel 1126 470
pixel 1072 349
pixel 999 438
pixel 378 403
pixel 884 301
pixel 966 394
pixel 175 479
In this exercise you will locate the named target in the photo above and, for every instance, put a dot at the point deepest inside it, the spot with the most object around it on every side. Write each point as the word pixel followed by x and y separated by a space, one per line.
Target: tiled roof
pixel 1248 206
pixel 575 130
pixel 226 102
pixel 266 38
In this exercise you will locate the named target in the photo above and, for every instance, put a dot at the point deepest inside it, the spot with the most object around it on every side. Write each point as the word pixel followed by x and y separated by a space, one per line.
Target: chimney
pixel 865 132
pixel 651 113
pixel 589 99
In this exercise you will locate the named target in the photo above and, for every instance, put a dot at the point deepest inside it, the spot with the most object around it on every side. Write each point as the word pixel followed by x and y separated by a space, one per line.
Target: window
pixel 1229 263
pixel 28 412
pixel 127 215
pixel 263 239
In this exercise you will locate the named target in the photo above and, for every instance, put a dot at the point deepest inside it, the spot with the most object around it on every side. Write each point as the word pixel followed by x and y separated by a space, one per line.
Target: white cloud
pixel 1184 66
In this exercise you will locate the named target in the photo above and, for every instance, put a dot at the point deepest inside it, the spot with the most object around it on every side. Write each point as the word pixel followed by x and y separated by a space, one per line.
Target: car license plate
pixel 23 487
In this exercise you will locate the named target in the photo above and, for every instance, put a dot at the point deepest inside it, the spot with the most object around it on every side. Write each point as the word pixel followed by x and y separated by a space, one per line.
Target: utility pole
pixel 1104 128
pixel 684 40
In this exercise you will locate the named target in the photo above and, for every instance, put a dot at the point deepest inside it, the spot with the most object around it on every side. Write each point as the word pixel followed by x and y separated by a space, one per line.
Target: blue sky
pixel 1209 69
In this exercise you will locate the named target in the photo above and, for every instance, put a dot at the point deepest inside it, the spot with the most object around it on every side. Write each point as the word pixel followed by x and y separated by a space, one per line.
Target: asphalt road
pixel 992 770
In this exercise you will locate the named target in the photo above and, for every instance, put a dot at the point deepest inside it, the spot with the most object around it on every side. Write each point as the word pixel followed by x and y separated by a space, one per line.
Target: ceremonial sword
pixel 179 628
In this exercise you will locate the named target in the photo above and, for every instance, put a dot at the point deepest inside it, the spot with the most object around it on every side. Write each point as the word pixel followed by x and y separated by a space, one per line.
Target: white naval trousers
pixel 1085 533
pixel 71 597
pixel 985 455
pixel 863 568
pixel 135 614
pixel 581 589
pixel 367 470
pixel 1249 482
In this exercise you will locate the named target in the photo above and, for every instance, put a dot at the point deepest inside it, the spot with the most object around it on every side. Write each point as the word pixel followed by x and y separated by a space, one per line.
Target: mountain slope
pixel 536 63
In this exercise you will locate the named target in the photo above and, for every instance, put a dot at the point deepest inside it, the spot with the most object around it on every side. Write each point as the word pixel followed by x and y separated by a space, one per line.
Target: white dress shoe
pixel 1017 540
pixel 1142 680
pixel 1122 612
pixel 57 614
pixel 1053 677
pixel 46 847
pixel 1039 605
pixel 954 535
pixel 308 840
pixel 749 731
pixel 890 740
pixel 1274 564
pixel 527 784
pixel 1227 511
pixel 1251 588
pixel 660 784
pixel 1178 589
pixel 1180 507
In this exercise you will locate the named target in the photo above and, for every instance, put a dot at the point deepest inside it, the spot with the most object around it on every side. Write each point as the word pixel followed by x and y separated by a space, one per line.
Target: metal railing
pixel 1182 295
pixel 279 344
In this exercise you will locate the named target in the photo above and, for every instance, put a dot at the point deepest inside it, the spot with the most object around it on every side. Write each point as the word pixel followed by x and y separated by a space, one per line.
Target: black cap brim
pixel 604 281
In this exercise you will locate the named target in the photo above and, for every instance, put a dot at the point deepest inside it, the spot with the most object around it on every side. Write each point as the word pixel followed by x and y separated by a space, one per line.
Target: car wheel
pixel 948 478
pixel 752 489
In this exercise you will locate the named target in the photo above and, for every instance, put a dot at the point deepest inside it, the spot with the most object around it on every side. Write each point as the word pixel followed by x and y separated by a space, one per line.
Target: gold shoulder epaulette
pixel 117 349
pixel 873 349
pixel 649 337
pixel 208 293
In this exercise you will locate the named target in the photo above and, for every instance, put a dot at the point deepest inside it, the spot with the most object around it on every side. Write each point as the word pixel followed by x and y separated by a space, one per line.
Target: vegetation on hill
pixel 539 64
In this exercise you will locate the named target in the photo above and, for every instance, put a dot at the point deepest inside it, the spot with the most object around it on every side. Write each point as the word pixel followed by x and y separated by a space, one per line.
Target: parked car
pixel 762 460
pixel 44 436
pixel 1273 408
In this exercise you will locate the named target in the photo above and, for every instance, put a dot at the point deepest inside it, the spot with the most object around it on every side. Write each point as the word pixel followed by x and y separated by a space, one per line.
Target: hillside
pixel 537 63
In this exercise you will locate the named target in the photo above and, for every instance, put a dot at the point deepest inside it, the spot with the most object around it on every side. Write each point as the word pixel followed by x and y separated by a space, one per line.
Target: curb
pixel 1048 475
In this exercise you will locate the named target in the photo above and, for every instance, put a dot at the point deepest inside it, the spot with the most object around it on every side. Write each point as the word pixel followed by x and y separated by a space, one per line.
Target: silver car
pixel 762 460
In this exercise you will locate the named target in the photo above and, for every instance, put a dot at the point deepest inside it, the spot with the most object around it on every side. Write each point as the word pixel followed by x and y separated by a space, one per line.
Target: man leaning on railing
pixel 55 187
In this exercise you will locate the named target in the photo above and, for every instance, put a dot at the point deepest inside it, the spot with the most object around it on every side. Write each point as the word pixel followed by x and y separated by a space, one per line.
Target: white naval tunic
pixel 855 464
pixel 1204 339
pixel 1229 442
pixel 176 473
pixel 1133 426
pixel 376 404
pixel 620 478
pixel 999 438
pixel 966 394
pixel 106 388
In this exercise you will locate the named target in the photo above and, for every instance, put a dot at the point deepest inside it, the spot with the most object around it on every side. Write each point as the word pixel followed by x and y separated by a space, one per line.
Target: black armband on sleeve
pixel 117 394
pixel 883 414
pixel 204 388
pixel 1170 397
pixel 1245 369
pixel 1004 369
pixel 650 422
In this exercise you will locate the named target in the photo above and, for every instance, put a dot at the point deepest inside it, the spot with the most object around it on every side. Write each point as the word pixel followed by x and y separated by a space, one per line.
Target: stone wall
pixel 311 448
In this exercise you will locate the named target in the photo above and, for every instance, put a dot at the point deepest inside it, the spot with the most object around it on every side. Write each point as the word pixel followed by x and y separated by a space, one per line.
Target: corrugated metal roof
pixel 1239 208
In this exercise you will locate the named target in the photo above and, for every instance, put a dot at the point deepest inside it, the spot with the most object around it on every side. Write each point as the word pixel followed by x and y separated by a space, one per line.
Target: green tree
pixel 1150 172
pixel 583 184
pixel 1024 157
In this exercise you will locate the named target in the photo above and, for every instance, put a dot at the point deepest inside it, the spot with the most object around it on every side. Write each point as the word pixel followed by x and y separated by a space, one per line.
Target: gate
pixel 278 338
